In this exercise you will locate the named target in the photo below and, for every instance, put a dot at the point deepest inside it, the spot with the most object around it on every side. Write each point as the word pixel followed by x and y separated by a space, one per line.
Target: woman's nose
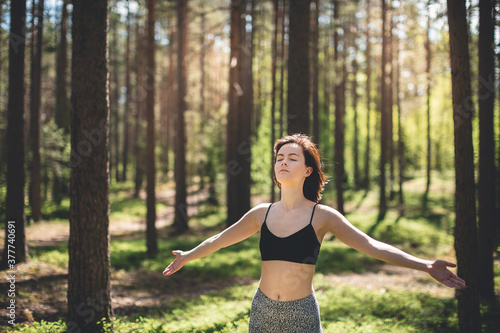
pixel 284 162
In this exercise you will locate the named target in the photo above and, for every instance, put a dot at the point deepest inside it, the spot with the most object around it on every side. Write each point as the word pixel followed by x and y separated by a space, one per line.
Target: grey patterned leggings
pixel 299 316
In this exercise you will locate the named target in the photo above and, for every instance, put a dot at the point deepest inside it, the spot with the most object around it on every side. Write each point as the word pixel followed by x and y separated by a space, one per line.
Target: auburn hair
pixel 315 182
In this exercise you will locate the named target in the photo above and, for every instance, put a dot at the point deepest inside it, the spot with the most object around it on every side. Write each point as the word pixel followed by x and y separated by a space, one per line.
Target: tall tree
pixel 283 56
pixel 315 70
pixel 355 98
pixel 151 234
pixel 181 216
pixel 139 69
pixel 62 117
pixel 298 67
pixel 115 97
pixel 428 104
pixel 36 97
pixel 274 48
pixel 128 99
pixel 390 98
pixel 384 110
pixel 401 159
pixel 486 188
pixel 89 299
pixel 339 95
pixel 238 118
pixel 368 95
pixel 466 246
pixel 15 218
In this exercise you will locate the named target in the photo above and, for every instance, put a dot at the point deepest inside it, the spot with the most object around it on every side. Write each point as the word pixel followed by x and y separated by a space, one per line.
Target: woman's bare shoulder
pixel 258 213
pixel 327 214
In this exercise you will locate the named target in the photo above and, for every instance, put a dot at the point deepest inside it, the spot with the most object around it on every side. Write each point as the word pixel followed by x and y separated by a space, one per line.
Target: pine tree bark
pixel 128 100
pixel 115 105
pixel 89 285
pixel 283 57
pixel 355 98
pixel 62 117
pixel 428 106
pixel 339 95
pixel 15 218
pixel 181 214
pixel 273 90
pixel 384 121
pixel 466 245
pixel 315 71
pixel 139 113
pixel 368 96
pixel 239 118
pixel 36 97
pixel 401 159
pixel 151 234
pixel 486 188
pixel 298 67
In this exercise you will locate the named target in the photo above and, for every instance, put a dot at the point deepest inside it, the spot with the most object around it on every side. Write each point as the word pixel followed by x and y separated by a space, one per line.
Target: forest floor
pixel 41 287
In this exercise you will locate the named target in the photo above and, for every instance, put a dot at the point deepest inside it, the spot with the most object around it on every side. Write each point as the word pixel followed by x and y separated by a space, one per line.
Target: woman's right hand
pixel 176 264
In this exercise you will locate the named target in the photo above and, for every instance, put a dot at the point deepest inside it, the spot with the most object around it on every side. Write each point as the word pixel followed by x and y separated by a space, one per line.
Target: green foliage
pixel 40 327
pixel 343 309
pixel 54 254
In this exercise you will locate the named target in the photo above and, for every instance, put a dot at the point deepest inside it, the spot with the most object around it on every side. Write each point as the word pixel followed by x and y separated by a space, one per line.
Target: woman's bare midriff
pixel 286 281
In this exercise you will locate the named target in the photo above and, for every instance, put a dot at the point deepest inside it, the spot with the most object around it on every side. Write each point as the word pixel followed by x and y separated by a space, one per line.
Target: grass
pixel 344 308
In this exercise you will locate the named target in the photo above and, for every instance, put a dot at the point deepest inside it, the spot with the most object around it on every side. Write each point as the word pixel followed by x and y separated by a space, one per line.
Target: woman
pixel 292 230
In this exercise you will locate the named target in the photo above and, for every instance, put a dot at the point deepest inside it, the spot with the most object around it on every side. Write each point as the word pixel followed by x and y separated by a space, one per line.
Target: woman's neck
pixel 291 198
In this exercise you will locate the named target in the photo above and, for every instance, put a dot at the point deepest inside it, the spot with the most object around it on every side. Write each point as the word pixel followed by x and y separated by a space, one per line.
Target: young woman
pixel 292 230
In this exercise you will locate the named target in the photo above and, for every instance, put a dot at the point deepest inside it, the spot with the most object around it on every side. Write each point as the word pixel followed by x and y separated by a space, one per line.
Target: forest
pixel 133 128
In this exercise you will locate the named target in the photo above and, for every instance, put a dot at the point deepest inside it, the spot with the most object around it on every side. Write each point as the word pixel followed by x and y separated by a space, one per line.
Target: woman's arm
pixel 358 240
pixel 241 230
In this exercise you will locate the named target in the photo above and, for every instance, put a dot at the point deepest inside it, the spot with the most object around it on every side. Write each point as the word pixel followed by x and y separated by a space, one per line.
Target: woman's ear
pixel 309 171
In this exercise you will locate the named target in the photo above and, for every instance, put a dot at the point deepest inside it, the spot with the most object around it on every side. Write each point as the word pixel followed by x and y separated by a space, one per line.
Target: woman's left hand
pixel 439 271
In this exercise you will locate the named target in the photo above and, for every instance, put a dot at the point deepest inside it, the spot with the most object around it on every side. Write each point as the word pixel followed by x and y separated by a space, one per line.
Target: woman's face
pixel 290 166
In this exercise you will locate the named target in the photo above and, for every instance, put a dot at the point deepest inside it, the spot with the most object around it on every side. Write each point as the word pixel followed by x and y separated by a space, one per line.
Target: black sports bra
pixel 300 247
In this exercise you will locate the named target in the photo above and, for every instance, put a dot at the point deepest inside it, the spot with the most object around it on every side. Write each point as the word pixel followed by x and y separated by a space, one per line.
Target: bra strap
pixel 265 219
pixel 312 215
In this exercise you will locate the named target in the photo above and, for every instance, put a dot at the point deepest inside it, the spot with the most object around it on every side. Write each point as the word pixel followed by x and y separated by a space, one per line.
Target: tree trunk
pixel 355 98
pixel 368 95
pixel 114 101
pixel 486 188
pixel 15 219
pixel 239 118
pixel 273 91
pixel 139 113
pixel 171 93
pixel 428 106
pixel 282 56
pixel 126 109
pixel 151 235
pixel 466 246
pixel 339 95
pixel 384 121
pixel 35 92
pixel 89 285
pixel 325 128
pixel 401 159
pixel 181 215
pixel 390 100
pixel 298 67
pixel 62 117
pixel 315 71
